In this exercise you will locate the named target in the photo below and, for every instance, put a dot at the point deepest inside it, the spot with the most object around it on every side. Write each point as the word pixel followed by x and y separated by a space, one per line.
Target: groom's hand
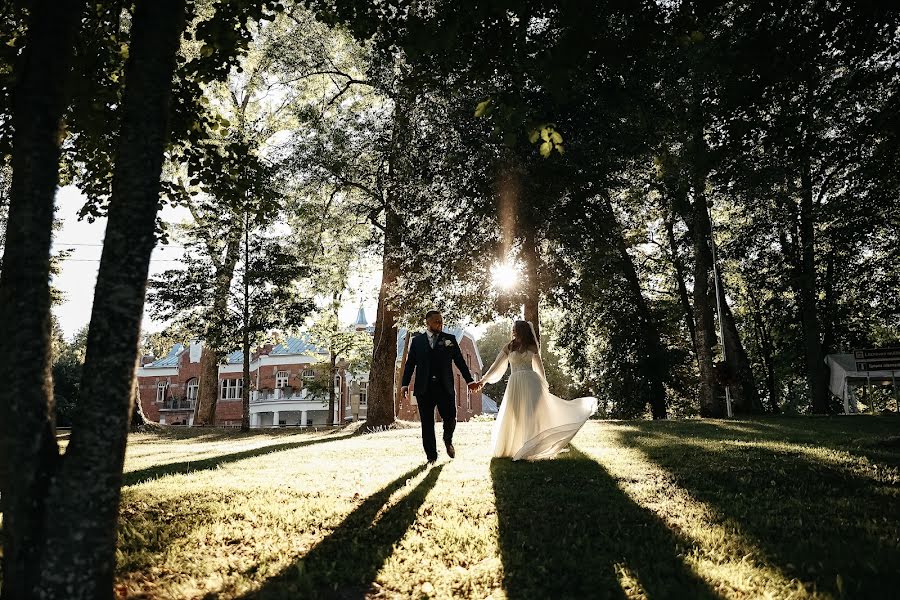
pixel 474 386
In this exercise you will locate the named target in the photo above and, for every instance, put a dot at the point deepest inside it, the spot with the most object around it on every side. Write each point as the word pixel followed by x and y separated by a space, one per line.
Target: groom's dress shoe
pixel 451 451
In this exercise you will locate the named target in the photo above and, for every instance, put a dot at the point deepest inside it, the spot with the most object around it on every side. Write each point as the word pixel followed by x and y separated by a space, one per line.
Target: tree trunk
pixel 207 387
pixel 532 279
pixel 331 396
pixel 28 450
pixel 245 388
pixel 816 373
pixel 744 394
pixel 704 303
pixel 79 559
pixel 767 349
pixel 208 390
pixel 384 356
pixel 139 421
pixel 677 264
pixel 653 359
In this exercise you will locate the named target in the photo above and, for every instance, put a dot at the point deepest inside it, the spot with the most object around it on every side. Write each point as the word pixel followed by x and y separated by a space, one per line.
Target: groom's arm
pixel 410 366
pixel 457 356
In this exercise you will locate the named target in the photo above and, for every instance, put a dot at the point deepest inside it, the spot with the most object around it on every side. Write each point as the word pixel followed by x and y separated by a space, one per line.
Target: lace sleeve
pixel 498 369
pixel 538 365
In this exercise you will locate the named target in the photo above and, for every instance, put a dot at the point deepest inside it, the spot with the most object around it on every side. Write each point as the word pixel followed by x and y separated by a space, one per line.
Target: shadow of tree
pixel 203 464
pixel 568 531
pixel 346 562
pixel 872 437
pixel 813 519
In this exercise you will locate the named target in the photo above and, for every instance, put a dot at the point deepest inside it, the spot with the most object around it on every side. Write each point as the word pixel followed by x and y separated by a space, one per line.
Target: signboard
pixel 877 359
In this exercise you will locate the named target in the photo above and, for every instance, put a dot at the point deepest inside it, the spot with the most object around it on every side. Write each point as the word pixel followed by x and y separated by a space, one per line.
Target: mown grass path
pixel 771 508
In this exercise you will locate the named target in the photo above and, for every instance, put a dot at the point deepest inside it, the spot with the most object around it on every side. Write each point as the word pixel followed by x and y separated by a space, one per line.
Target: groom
pixel 430 355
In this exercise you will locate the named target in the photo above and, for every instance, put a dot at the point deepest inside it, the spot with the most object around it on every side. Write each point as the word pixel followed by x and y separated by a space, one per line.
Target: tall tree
pixel 26 421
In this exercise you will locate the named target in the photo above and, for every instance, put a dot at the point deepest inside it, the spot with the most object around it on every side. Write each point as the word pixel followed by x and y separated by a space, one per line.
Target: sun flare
pixel 504 275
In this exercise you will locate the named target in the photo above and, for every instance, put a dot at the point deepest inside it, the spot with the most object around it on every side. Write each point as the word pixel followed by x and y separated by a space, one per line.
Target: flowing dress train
pixel 532 423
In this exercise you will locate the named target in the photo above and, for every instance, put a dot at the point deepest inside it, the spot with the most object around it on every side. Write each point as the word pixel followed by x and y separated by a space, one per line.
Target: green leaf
pixel 546 148
pixel 484 108
pixel 534 135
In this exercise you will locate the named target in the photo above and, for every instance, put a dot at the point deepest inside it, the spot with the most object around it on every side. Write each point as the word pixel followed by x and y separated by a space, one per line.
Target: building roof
pixel 297 345
pixel 290 346
pixel 169 360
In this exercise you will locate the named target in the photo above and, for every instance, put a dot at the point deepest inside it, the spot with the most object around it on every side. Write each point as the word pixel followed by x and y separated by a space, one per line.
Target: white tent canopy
pixel 844 374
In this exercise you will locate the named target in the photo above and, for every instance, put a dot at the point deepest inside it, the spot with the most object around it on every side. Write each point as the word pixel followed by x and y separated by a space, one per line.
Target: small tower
pixel 361 322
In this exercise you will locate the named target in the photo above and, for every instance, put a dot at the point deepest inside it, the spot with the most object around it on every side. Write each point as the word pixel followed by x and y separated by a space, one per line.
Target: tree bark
pixel 704 302
pixel 384 356
pixel 208 390
pixel 816 372
pixel 745 396
pixel 767 349
pixel 245 388
pixel 207 387
pixel 139 420
pixel 28 450
pixel 79 558
pixel 332 370
pixel 678 265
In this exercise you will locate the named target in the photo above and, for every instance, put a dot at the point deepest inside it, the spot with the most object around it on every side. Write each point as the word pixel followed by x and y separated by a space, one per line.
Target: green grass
pixel 773 508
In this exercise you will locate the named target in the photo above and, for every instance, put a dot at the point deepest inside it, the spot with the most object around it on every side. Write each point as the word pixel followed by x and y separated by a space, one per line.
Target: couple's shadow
pixel 346 563
pixel 568 531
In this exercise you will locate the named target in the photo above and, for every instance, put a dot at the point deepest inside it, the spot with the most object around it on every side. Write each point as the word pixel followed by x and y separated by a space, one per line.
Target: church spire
pixel 361 321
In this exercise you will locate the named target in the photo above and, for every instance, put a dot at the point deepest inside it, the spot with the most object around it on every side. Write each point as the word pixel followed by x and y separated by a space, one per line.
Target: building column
pixel 303 418
pixel 275 419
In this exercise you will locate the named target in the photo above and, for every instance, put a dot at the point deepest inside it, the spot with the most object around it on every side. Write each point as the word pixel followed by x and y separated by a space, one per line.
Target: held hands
pixel 475 386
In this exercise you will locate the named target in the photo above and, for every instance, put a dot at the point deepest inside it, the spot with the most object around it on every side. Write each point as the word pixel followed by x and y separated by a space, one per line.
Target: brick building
pixel 468 404
pixel 279 377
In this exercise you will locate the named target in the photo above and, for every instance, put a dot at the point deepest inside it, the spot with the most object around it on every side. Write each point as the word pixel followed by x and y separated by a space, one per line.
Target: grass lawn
pixel 769 508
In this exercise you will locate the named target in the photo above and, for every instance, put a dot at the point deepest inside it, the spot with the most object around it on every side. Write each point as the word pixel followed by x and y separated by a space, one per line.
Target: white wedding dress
pixel 532 423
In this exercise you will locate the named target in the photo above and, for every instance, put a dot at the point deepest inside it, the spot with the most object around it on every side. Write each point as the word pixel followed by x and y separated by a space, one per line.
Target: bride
pixel 532 423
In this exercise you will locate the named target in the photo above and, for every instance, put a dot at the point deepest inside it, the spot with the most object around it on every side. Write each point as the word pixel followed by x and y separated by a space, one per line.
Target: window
pixel 231 389
pixel 469 399
pixel 191 391
pixel 308 374
pixel 363 393
pixel 281 379
pixel 161 391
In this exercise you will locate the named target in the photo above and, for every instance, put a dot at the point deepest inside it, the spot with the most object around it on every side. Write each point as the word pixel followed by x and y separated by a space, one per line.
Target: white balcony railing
pixel 283 395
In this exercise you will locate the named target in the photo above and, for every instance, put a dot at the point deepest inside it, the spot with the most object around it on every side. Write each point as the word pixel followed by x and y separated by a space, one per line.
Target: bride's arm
pixel 495 373
pixel 538 365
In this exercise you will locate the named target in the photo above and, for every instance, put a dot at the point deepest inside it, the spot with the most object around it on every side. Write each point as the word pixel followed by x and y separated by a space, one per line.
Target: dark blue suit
pixel 434 384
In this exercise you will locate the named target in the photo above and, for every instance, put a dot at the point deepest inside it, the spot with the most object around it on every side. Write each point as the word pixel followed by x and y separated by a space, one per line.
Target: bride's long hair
pixel 523 339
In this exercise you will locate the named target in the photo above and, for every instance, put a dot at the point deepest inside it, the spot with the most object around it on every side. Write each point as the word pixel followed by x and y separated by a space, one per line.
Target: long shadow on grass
pixel 203 464
pixel 568 531
pixel 811 519
pixel 871 437
pixel 345 563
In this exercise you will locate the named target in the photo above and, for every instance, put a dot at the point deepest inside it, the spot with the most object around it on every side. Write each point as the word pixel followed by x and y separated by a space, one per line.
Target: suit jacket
pixel 420 360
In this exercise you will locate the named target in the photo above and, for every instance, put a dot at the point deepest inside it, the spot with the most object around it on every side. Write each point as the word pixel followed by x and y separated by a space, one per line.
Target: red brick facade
pixel 174 405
